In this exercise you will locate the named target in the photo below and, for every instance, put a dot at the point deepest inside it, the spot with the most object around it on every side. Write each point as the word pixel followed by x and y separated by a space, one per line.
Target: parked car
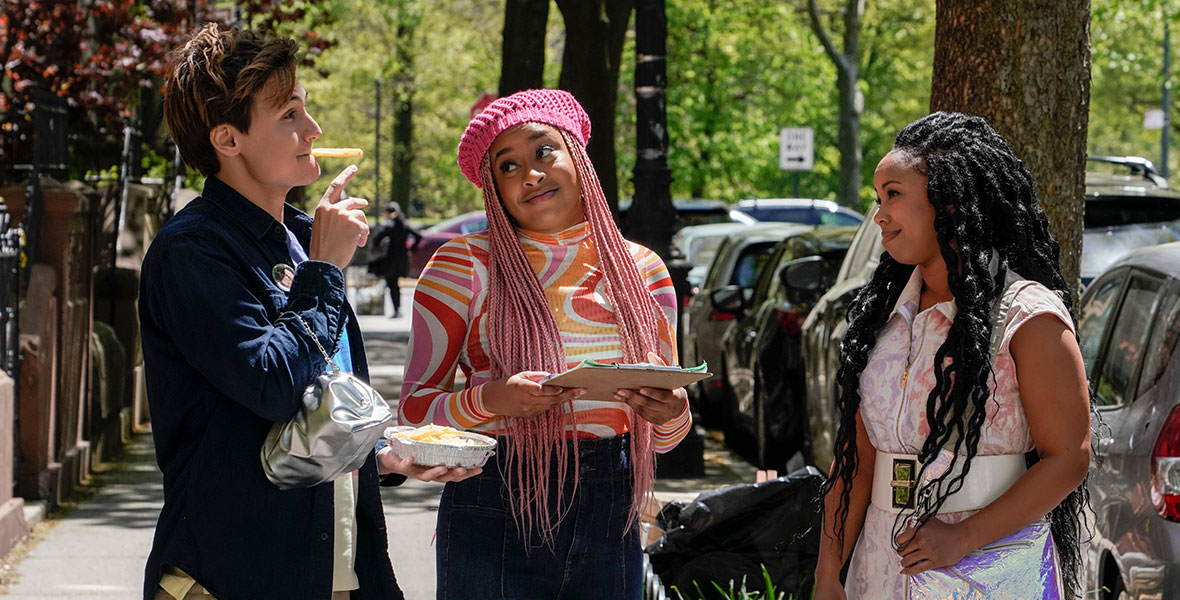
pixel 1123 211
pixel 799 210
pixel 697 245
pixel 735 266
pixel 1129 326
pixel 760 351
pixel 693 212
pixel 438 234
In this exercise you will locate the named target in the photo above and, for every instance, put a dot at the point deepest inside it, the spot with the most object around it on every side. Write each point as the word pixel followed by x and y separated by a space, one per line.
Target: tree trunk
pixel 850 98
pixel 1025 67
pixel 401 175
pixel 522 52
pixel 594 33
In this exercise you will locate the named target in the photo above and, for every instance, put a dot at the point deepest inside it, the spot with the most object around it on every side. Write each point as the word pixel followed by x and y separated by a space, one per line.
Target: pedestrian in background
pixel 390 258
pixel 964 408
pixel 550 283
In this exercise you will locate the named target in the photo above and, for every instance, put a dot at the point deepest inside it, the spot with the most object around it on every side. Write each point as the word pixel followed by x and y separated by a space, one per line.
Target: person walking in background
pixel 550 283
pixel 964 433
pixel 391 257
pixel 238 291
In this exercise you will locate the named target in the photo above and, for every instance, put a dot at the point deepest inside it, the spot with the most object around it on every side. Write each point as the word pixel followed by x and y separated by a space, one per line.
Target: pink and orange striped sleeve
pixel 665 437
pixel 438 333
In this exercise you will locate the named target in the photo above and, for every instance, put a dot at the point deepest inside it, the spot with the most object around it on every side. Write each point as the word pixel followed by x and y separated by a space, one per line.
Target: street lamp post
pixel 1165 94
pixel 652 217
pixel 377 154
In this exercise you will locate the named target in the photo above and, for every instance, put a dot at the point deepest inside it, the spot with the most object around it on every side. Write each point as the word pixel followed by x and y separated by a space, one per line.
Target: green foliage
pixel 1126 38
pixel 455 52
pixel 739 71
pixel 736 593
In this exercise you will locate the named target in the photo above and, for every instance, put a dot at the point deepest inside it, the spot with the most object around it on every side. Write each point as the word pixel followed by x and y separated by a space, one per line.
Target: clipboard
pixel 602 379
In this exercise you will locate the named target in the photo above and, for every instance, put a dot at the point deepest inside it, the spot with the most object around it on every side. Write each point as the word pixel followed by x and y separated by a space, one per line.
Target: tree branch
pixel 818 28
pixel 853 11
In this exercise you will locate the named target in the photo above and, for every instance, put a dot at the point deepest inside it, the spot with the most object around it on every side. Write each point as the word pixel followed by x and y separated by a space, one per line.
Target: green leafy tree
pixel 740 71
pixel 453 57
pixel 1127 56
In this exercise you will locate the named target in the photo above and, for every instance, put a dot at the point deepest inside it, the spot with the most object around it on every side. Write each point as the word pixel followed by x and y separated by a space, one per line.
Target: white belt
pixel 989 478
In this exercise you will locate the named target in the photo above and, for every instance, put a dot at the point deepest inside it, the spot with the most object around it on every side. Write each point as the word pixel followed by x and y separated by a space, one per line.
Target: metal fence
pixel 10 273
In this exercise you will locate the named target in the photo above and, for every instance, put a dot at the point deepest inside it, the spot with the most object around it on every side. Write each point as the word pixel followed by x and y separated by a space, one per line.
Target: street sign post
pixel 796 148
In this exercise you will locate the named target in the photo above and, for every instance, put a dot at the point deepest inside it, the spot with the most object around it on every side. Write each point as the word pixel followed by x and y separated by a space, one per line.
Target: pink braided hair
pixel 524 336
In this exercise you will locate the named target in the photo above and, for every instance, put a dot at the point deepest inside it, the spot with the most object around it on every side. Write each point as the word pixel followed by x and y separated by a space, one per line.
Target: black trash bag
pixel 730 533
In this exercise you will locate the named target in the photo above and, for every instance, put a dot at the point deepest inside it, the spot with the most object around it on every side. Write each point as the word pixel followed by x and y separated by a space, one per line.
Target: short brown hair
pixel 213 79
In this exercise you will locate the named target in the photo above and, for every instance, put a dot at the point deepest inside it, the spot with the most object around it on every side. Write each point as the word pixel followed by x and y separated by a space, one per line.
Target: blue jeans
pixel 595 556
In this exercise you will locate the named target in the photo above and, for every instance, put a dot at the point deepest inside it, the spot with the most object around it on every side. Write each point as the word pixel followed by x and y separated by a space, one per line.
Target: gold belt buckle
pixel 903 483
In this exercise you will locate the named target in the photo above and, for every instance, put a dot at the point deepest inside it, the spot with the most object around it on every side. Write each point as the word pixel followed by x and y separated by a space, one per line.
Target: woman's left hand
pixel 388 463
pixel 654 405
pixel 934 545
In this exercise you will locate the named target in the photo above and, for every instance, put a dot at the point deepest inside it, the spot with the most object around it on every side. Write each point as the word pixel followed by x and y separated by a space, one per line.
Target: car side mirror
pixel 809 275
pixel 729 299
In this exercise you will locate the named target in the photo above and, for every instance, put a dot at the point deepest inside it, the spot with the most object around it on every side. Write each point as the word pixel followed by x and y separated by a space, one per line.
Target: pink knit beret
pixel 552 107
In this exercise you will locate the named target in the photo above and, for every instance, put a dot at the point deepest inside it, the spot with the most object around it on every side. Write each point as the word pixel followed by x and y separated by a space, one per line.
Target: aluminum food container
pixel 450 455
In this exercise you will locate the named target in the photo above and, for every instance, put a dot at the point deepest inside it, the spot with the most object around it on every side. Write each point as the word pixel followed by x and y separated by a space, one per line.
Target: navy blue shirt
pixel 225 357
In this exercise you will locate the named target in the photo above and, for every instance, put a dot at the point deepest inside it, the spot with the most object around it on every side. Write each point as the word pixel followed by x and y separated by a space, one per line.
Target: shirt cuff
pixel 476 407
pixel 667 436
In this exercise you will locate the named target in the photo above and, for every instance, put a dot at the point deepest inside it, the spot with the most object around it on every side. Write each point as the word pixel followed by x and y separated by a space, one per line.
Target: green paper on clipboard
pixel 602 379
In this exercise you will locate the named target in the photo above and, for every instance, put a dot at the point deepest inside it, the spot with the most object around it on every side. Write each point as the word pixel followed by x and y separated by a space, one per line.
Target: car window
pixel 804 215
pixel 837 218
pixel 865 246
pixel 768 277
pixel 1163 338
pixel 1095 314
pixel 713 279
pixel 702 217
pixel 750 263
pixel 1128 340
pixel 475 226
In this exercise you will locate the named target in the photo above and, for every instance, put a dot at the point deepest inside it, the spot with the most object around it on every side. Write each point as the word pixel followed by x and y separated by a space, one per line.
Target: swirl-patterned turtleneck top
pixel 448 333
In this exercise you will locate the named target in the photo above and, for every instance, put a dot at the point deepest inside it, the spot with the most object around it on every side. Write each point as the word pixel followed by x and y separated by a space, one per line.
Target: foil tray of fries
pixel 432 445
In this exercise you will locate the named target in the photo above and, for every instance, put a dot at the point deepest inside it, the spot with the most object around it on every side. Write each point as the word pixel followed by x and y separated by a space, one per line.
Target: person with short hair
pixel 233 288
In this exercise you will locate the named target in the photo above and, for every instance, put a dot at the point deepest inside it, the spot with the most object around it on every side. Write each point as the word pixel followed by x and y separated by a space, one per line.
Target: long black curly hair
pixel 985 206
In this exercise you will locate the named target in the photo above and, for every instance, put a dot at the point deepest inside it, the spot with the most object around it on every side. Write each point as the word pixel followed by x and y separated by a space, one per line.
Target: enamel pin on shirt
pixel 283 274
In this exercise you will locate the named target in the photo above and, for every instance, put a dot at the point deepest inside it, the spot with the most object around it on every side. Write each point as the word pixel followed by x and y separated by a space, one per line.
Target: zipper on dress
pixel 905 376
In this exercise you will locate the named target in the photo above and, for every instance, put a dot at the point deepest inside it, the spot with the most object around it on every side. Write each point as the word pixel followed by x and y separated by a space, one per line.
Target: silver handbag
pixel 340 421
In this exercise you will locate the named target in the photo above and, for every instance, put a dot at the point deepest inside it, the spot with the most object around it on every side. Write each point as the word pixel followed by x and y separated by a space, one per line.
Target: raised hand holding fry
pixel 340 223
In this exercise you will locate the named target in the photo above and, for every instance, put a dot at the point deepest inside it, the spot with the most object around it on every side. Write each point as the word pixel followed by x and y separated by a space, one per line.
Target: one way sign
pixel 796 148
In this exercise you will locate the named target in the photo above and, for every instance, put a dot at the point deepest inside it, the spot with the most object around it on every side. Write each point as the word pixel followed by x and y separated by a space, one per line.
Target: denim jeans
pixel 595 556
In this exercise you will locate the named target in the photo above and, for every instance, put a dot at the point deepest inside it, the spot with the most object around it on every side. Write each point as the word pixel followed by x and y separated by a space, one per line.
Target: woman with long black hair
pixel 964 431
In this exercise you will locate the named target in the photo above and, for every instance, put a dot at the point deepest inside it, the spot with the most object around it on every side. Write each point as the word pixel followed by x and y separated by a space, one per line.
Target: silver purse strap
pixel 317 343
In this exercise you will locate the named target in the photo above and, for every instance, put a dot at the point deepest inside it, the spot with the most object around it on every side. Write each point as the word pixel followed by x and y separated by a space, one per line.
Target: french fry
pixel 337 152
pixel 435 434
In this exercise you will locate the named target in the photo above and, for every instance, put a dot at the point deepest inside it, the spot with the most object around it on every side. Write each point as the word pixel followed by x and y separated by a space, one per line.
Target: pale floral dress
pixel 896 420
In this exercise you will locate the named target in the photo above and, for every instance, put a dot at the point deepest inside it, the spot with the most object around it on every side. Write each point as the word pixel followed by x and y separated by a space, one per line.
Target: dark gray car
pixel 1129 326
pixel 735 266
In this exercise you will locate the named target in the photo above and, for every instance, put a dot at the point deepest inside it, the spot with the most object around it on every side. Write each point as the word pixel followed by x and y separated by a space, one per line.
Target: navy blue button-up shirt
pixel 225 357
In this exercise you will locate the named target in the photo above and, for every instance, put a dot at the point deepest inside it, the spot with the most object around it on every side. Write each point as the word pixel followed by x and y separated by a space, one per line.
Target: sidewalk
pixel 99 550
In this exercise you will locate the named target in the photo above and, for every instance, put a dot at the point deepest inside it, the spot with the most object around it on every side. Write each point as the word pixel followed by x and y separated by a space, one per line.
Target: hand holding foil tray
pixel 601 380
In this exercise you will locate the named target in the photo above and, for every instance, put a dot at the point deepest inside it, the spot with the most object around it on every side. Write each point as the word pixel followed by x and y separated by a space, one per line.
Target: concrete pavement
pixel 99 549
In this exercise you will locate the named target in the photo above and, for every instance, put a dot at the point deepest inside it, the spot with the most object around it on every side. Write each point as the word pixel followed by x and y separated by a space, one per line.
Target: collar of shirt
pixel 251 217
pixel 911 297
pixel 571 236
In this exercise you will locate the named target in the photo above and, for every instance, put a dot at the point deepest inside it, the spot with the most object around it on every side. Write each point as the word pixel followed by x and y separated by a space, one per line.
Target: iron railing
pixel 10 273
